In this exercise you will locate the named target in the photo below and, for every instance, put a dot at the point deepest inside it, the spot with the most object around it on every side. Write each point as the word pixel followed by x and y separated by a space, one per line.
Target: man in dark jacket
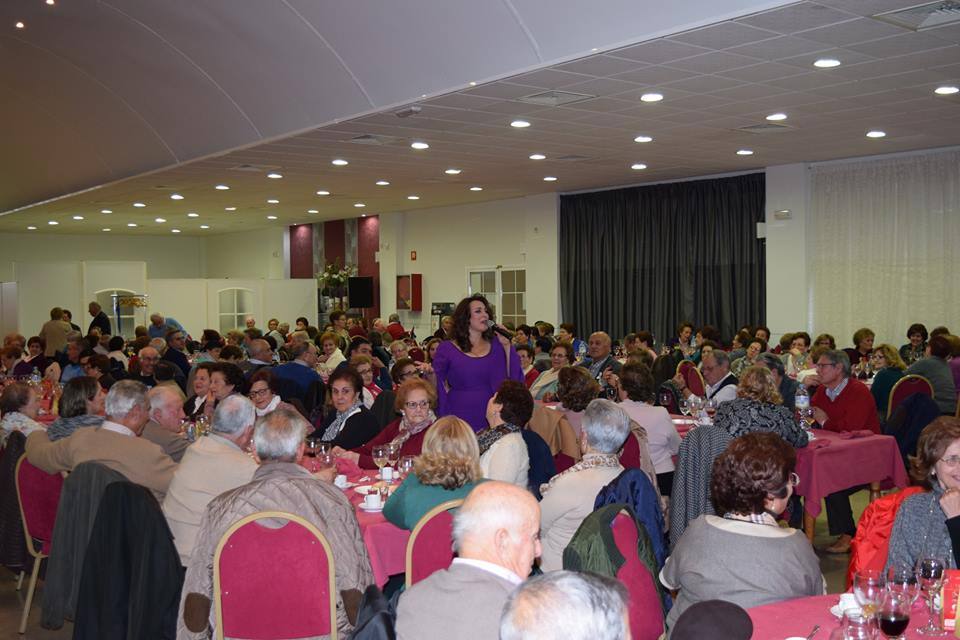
pixel 100 319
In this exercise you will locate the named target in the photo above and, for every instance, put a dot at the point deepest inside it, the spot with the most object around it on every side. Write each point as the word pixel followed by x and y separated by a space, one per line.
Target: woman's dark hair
pixel 763 328
pixel 933 443
pixel 939 331
pixel 939 346
pixel 461 322
pixel 684 325
pixel 754 467
pixel 829 338
pixel 640 356
pixel 231 352
pixel 801 334
pixel 303 321
pixel 544 344
pixel 101 363
pixel 576 388
pixel 570 328
pixel 744 338
pixel 710 332
pixel 567 348
pixel 349 374
pixel 862 334
pixel 232 374
pixel 264 374
pixel 645 337
pixel 37 340
pixel 524 347
pixel 398 367
pixel 76 394
pixel 517 402
pixel 167 371
pixel 664 368
pixel 116 343
pixel 917 328
pixel 14 397
pixel 785 341
pixel 637 381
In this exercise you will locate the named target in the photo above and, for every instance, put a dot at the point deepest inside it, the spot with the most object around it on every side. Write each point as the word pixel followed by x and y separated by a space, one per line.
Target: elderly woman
pixel 194 405
pixel 889 368
pixel 46 367
pixel 569 496
pixel 19 406
pixel 81 405
pixel 928 524
pixel 526 354
pixel 545 386
pixel 415 402
pixel 914 349
pixel 759 407
pixel 348 424
pixel 862 347
pixel 265 393
pixel 503 453
pixel 575 389
pixel 754 348
pixel 447 468
pixel 226 378
pixel 797 359
pixel 761 562
pixel 330 356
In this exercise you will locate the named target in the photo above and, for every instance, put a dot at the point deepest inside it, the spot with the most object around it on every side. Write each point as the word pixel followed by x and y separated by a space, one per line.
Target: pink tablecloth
pixel 843 464
pixel 797 617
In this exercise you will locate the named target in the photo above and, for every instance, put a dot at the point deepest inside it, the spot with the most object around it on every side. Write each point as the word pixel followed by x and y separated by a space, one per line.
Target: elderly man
pixel 116 443
pixel 147 359
pixel 398 350
pixel 786 385
pixel 841 403
pixel 211 466
pixel 159 326
pixel 279 484
pixel 176 343
pixel 395 329
pixel 301 371
pixel 54 332
pixel 564 605
pixel 250 322
pixel 72 368
pixel 496 536
pixel 261 355
pixel 100 319
pixel 721 384
pixel 600 362
pixel 569 496
pixel 163 428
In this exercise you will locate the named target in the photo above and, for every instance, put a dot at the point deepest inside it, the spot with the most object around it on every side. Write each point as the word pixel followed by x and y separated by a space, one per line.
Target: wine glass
pixel 857 625
pixel 322 446
pixel 325 461
pixel 379 457
pixel 684 407
pixel 696 406
pixel 393 454
pixel 893 616
pixel 711 407
pixel 406 465
pixel 930 572
pixel 311 449
pixel 902 579
pixel 868 589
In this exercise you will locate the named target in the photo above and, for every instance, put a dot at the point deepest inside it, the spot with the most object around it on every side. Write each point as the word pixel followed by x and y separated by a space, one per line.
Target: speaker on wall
pixel 360 292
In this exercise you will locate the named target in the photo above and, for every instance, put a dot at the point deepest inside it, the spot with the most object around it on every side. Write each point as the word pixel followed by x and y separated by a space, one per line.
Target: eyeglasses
pixel 950 461
pixel 365 372
pixel 820 365
pixel 423 404
pixel 258 394
pixel 408 374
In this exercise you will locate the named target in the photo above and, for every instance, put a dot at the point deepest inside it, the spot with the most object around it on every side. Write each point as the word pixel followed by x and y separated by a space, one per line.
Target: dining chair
pixel 905 387
pixel 430 547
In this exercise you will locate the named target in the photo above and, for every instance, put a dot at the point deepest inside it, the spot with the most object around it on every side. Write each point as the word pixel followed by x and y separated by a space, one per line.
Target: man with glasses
pixel 841 403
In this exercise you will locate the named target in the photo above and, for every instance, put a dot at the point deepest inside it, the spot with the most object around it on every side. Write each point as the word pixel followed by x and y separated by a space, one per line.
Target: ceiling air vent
pixel 254 168
pixel 555 98
pixel 924 16
pixel 369 138
pixel 765 128
pixel 571 158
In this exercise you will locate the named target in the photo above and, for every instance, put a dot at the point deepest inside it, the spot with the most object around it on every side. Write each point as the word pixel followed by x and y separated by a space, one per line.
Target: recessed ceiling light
pixel 139 205
pixel 473 84
pixel 50 2
pixel 271 217
pixel 363 215
pixel 204 226
pixel 826 63
pixel 519 124
pixel 31 228
pixel 131 224
pixel 419 144
pixel 19 25
pixel 776 117
pixel 229 209
pixel 413 197
pixel 222 187
pixel 745 152
pixel 651 97
pixel 537 156
pixel 160 220
pixel 339 162
pixel 476 188
pixel 176 196
pixel 550 179
pixel 323 192
pixel 638 166
pixel 106 211
pixel 53 223
pixel 193 214
pixel 359 205
pixel 452 171
pixel 106 229
pixel 382 183
pixel 312 211
pixel 174 230
pixel 78 217
pixel 643 139
pixel 946 90
pixel 272 201
pixel 876 133
pixel 274 175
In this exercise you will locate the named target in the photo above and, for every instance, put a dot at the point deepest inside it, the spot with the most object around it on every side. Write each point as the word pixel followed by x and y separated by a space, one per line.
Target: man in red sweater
pixel 842 403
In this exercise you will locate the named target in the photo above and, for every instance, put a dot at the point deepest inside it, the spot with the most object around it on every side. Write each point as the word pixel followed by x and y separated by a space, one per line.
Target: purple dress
pixel 471 381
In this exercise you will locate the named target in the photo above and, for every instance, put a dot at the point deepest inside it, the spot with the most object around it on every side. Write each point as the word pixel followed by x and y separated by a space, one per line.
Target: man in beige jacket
pixel 54 332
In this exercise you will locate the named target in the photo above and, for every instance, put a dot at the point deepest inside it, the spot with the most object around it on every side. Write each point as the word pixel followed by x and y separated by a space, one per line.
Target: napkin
pixel 850 435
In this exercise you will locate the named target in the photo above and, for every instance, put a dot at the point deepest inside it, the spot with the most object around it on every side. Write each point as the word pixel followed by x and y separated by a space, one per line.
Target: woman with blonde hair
pixel 447 468
pixel 759 407
pixel 888 365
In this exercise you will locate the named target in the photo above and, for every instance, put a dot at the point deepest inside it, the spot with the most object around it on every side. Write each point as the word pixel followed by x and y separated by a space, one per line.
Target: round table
pixel 795 618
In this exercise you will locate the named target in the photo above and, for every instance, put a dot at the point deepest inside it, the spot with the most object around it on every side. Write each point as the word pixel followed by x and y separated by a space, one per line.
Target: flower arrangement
pixel 333 279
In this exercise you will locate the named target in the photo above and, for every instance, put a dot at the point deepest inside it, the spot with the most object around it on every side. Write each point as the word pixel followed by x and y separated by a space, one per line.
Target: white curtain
pixel 884 246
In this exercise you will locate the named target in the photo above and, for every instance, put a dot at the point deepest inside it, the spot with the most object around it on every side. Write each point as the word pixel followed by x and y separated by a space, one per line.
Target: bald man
pixel 163 427
pixel 261 355
pixel 147 359
pixel 600 362
pixel 496 534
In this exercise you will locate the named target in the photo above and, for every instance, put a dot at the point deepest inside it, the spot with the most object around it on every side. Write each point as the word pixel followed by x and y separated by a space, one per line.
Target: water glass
pixel 902 580
pixel 893 616
pixel 857 625
pixel 868 589
pixel 322 446
pixel 406 464
pixel 684 407
pixel 325 461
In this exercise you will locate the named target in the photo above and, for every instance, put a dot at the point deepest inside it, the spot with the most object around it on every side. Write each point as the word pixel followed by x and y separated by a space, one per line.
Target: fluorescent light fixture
pixel 160 220
pixel 78 217
pixel 452 171
pixel 222 187
pixel 323 192
pixel 139 205
pixel 476 188
pixel 274 175
pixel 550 179
pixel 193 214
pixel 946 90
pixel 413 197
pixel 359 205
pixel 106 211
pixel 271 217
pixel 382 183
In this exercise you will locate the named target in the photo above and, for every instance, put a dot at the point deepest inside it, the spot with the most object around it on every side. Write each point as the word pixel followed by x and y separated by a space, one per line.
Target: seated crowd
pixel 217 429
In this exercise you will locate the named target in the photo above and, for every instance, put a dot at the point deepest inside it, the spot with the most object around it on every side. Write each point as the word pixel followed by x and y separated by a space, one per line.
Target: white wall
pixel 788 289
pixel 183 299
pixel 248 254
pixel 448 240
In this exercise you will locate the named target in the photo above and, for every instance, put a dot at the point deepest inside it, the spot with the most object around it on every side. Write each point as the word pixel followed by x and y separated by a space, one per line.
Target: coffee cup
pixel 372 500
pixel 386 474
pixel 340 481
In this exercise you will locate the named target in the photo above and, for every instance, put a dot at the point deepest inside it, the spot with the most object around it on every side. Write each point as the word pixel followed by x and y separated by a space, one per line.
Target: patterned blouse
pixel 744 415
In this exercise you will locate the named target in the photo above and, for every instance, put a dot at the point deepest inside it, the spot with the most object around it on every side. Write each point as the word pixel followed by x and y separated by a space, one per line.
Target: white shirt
pixel 489 567
pixel 117 428
pixel 662 436
pixel 729 392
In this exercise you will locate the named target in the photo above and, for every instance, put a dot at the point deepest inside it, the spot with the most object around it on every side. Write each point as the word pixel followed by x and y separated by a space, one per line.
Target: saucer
pixel 364 507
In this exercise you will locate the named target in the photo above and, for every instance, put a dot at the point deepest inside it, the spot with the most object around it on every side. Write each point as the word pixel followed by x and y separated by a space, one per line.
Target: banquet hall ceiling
pixel 155 99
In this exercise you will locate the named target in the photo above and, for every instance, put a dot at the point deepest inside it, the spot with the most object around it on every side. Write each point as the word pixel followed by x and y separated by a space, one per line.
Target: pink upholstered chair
pixel 905 387
pixel 38 493
pixel 692 377
pixel 646 616
pixel 274 582
pixel 430 547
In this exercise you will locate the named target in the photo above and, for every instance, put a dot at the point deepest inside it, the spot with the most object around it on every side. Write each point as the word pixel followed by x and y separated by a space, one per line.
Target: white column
pixel 788 291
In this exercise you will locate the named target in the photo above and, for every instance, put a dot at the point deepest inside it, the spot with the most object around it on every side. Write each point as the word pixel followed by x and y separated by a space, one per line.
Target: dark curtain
pixel 649 258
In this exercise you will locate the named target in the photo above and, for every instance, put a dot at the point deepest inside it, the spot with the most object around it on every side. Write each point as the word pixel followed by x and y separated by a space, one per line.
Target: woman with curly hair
pixel 889 368
pixel 447 468
pixel 575 389
pixel 761 562
pixel 759 407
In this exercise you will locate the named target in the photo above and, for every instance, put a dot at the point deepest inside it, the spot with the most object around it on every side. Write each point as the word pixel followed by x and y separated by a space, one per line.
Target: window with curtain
pixel 653 257
pixel 884 245
pixel 235 306
pixel 505 288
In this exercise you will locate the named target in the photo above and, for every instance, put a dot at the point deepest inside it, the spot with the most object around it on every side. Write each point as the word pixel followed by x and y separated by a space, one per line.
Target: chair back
pixel 692 377
pixel 646 616
pixel 274 582
pixel 430 547
pixel 907 386
pixel 39 495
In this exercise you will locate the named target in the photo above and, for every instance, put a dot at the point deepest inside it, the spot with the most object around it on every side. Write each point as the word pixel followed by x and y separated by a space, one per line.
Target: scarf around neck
pixel 489 436
pixel 590 461
pixel 408 430
pixel 340 420
pixel 270 407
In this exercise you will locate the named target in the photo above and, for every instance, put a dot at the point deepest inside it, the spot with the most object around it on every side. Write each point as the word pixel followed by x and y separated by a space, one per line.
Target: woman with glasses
pixel 545 386
pixel 402 370
pixel 889 368
pixel 364 366
pixel 416 400
pixel 265 393
pixel 761 563
pixel 928 524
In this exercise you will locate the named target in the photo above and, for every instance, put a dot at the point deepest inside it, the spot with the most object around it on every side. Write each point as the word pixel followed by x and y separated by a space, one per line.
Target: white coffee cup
pixel 386 474
pixel 372 500
pixel 340 481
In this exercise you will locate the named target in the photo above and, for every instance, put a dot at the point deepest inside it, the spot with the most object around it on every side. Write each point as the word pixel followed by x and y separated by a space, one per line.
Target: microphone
pixel 493 325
